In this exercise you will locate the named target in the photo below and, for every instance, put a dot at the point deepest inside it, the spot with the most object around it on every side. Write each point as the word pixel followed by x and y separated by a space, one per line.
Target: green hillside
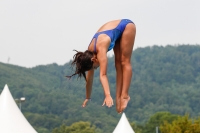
pixel 165 79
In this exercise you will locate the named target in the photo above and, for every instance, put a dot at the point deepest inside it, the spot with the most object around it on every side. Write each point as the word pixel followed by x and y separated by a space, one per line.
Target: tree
pixel 158 119
pixel 137 128
pixel 181 125
pixel 77 127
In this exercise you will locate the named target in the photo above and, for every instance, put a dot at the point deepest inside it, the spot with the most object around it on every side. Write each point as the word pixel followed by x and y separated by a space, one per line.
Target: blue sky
pixel 40 32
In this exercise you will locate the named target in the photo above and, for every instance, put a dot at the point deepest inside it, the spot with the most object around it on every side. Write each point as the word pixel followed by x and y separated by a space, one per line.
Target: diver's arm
pixel 89 78
pixel 103 72
pixel 88 90
pixel 103 61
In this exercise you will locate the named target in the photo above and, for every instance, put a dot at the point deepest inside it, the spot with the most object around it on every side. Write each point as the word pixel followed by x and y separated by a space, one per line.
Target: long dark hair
pixel 83 63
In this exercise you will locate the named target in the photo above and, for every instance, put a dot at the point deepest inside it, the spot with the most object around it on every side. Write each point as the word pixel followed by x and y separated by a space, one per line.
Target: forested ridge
pixel 164 79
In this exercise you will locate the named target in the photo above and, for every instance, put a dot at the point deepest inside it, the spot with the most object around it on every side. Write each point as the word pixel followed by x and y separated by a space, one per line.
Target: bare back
pixel 107 26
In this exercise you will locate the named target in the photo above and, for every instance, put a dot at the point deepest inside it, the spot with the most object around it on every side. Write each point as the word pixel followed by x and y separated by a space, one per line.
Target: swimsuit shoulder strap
pixel 95 41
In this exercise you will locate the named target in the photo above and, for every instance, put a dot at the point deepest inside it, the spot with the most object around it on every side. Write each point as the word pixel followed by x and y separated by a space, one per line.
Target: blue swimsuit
pixel 114 34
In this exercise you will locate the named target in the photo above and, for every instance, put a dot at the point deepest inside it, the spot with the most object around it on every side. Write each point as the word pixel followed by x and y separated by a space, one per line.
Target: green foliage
pixel 165 79
pixel 158 119
pixel 77 127
pixel 42 130
pixel 137 128
pixel 44 122
pixel 181 125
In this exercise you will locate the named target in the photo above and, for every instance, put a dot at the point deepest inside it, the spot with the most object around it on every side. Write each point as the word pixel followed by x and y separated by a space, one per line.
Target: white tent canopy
pixel 123 126
pixel 11 118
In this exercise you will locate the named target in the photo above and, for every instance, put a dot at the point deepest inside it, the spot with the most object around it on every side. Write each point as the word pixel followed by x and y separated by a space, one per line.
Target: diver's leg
pixel 119 74
pixel 126 48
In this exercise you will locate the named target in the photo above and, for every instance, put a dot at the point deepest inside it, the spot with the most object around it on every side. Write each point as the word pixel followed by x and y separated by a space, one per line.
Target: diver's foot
pixel 118 107
pixel 124 102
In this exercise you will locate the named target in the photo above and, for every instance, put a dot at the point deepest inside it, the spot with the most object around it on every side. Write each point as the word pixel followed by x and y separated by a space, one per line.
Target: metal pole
pixel 156 129
pixel 20 106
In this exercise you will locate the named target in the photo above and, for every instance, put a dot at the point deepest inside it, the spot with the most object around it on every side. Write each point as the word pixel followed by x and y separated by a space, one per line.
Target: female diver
pixel 118 35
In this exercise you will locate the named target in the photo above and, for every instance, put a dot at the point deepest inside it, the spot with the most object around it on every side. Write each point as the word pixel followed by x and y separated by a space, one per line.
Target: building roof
pixel 123 126
pixel 11 118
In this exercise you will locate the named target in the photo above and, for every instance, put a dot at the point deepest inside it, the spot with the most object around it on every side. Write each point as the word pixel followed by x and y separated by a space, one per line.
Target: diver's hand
pixel 108 101
pixel 85 102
